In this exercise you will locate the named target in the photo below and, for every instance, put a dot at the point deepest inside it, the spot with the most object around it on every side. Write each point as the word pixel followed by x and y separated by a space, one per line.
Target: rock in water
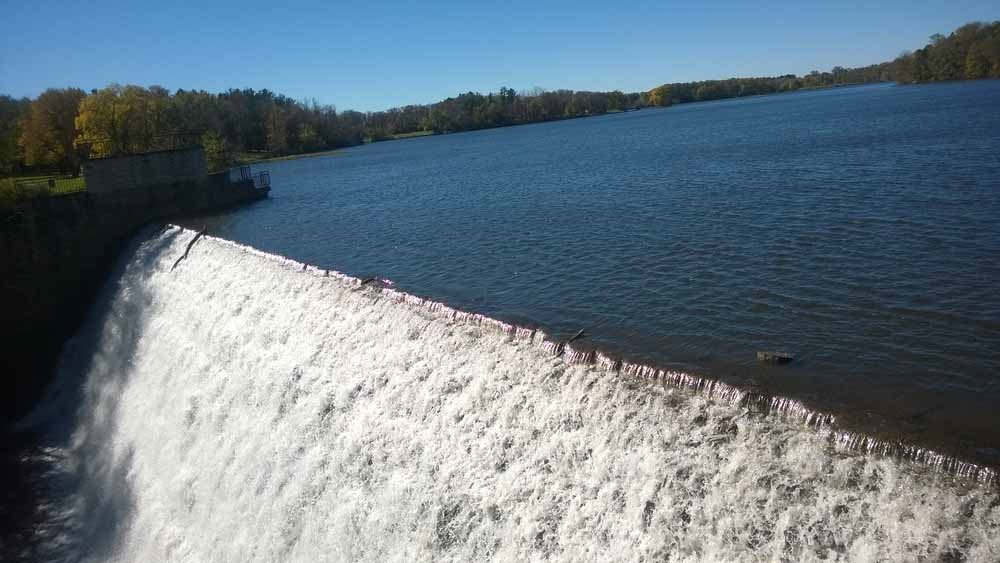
pixel 775 357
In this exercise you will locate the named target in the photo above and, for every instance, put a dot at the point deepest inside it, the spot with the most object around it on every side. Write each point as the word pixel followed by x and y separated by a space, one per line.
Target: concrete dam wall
pixel 142 171
pixel 56 251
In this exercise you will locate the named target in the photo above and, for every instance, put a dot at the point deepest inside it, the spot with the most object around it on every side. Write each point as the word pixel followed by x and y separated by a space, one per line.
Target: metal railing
pixel 245 174
pixel 105 148
pixel 29 188
pixel 262 180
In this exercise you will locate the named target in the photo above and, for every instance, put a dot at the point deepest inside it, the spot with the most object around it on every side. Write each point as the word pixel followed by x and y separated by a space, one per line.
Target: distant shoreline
pixel 246 159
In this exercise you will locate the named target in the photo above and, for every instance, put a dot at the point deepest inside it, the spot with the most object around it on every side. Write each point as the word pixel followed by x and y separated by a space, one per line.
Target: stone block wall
pixel 144 171
pixel 54 254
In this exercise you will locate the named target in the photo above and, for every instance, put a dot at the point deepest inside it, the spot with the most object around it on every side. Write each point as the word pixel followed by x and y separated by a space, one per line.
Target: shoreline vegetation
pixel 54 132
pixel 254 157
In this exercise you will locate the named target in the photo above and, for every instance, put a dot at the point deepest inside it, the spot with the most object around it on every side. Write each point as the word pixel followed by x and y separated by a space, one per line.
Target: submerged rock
pixel 775 357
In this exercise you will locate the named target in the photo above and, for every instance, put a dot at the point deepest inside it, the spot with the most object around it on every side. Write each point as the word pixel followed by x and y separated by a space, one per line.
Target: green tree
pixel 218 153
pixel 49 130
pixel 977 62
pixel 971 51
pixel 12 114
pixel 617 100
pixel 277 130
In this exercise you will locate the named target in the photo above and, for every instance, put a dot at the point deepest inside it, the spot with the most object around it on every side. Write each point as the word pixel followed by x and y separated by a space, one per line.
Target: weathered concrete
pixel 141 171
pixel 54 254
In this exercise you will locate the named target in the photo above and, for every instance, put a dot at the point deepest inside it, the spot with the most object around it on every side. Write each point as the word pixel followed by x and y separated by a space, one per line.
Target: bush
pixel 7 194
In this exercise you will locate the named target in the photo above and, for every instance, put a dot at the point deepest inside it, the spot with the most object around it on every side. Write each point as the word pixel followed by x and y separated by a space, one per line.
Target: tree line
pixel 970 52
pixel 684 92
pixel 62 126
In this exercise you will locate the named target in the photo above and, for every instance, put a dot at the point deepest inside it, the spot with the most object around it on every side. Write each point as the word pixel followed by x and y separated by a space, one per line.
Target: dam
pixel 245 406
pixel 55 251
pixel 539 343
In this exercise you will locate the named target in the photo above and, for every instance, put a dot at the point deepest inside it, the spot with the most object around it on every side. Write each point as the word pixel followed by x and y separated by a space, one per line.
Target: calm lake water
pixel 858 228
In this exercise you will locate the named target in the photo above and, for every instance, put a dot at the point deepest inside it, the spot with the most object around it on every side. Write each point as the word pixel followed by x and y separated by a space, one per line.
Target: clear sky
pixel 374 55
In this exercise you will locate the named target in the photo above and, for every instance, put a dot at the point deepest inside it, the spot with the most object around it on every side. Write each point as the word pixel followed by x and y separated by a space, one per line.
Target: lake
pixel 857 228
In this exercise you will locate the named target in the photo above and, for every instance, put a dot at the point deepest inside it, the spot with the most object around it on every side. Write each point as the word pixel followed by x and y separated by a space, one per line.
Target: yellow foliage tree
pixel 659 96
pixel 123 119
pixel 48 130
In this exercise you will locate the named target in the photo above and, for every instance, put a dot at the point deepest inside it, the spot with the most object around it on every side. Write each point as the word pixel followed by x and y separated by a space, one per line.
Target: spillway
pixel 245 407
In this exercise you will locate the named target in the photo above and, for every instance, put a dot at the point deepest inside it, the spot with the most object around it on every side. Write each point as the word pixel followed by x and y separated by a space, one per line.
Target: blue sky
pixel 374 55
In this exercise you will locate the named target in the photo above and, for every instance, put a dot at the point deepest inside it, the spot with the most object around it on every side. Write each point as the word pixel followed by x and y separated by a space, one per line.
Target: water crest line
pixel 756 402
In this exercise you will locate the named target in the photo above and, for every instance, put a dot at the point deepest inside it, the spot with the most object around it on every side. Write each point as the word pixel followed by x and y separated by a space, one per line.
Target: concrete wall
pixel 143 171
pixel 54 254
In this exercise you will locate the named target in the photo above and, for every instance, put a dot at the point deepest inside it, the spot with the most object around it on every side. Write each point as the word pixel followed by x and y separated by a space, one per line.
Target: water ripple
pixel 858 228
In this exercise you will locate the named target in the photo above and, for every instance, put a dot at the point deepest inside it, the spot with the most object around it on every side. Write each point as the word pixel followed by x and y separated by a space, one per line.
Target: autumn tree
pixel 977 62
pixel 12 114
pixel 277 130
pixel 970 52
pixel 218 152
pixel 103 122
pixel 617 100
pixel 196 110
pixel 659 96
pixel 49 130
pixel 123 119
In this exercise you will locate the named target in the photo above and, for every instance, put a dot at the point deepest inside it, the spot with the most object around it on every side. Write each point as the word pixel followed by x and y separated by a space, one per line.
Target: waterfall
pixel 247 407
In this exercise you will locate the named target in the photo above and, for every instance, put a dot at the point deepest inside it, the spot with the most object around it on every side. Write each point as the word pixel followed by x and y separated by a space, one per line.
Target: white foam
pixel 245 407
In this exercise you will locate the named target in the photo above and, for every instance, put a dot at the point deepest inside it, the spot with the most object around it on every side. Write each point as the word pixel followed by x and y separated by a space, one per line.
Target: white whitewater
pixel 243 407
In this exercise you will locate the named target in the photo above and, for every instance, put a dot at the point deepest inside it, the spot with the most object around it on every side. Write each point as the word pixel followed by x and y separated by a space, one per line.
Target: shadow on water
pixel 66 493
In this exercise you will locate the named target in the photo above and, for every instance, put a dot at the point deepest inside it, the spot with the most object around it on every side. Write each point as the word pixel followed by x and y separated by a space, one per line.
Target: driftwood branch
pixel 202 232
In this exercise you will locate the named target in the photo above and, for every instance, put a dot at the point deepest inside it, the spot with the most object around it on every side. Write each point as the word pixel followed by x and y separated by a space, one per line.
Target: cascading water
pixel 242 406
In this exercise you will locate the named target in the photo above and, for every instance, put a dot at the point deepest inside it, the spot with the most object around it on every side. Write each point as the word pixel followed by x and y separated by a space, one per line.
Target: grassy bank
pixel 256 157
pixel 411 135
pixel 26 186
pixel 397 136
